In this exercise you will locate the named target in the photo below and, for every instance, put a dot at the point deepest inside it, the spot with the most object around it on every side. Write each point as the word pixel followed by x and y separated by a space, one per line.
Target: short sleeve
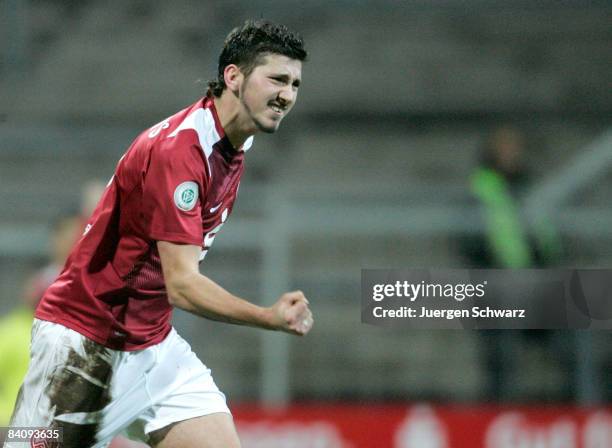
pixel 173 190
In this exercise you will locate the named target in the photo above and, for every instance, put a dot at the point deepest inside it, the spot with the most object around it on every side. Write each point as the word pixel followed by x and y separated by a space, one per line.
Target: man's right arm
pixel 193 292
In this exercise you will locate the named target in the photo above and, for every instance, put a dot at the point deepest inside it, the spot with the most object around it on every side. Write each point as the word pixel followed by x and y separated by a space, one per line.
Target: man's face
pixel 270 91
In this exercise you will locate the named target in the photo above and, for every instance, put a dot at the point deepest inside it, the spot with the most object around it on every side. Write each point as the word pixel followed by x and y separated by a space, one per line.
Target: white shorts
pixel 95 393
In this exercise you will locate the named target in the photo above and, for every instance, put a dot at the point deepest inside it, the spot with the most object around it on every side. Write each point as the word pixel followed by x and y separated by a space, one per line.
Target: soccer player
pixel 104 357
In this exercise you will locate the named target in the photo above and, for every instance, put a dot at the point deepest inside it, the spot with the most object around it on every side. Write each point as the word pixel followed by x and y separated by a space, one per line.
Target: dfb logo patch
pixel 186 196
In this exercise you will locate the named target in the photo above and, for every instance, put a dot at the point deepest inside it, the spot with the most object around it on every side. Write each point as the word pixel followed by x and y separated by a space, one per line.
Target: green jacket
pixel 510 241
pixel 15 333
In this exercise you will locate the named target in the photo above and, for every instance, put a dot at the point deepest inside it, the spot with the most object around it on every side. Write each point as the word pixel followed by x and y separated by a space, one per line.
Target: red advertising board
pixel 423 426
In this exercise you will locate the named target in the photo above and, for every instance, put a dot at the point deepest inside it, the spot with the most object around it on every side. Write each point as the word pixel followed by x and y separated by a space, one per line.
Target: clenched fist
pixel 291 313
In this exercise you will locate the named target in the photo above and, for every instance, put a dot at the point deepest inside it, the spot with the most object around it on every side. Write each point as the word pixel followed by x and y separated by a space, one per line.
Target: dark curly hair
pixel 246 46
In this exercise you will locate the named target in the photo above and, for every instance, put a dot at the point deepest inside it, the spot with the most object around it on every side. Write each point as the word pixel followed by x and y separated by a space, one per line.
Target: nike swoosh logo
pixel 214 209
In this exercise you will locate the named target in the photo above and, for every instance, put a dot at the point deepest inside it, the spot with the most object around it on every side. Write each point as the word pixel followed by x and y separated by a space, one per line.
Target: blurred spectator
pixel 66 231
pixel 498 184
pixel 63 237
pixel 508 242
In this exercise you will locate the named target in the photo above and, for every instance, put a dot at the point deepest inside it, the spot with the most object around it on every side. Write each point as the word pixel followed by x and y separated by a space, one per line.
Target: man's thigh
pixel 65 385
pixel 210 431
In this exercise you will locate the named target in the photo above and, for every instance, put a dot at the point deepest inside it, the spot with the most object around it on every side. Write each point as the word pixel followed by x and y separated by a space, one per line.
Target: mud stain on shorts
pixel 81 386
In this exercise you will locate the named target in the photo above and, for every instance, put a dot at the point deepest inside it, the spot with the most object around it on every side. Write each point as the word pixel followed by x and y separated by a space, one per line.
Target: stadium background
pixel 371 170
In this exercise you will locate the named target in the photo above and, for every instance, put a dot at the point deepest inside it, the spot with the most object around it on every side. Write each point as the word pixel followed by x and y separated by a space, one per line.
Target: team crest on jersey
pixel 186 196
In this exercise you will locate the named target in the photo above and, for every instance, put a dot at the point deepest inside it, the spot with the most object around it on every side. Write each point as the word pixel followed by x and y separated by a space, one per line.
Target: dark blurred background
pixel 427 134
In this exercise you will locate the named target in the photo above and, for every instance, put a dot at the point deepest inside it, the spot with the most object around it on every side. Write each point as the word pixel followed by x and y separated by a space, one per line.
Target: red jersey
pixel 177 182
